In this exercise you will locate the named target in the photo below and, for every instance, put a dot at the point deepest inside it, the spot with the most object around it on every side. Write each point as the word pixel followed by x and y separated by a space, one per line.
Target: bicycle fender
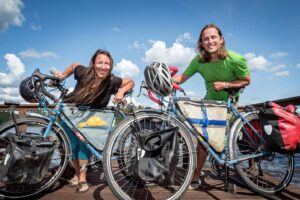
pixel 237 121
pixel 149 111
pixel 37 115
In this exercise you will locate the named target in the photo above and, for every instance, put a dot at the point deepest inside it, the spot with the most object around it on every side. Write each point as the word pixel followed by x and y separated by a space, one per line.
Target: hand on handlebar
pixel 120 97
pixel 59 75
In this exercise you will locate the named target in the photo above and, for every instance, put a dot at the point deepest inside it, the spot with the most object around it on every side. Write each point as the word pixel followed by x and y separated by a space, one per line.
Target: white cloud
pixel 16 71
pixel 32 53
pixel 116 29
pixel 282 73
pixel 35 27
pixel 10 94
pixel 280 54
pixel 184 37
pixel 127 68
pixel 278 67
pixel 135 45
pixel 257 63
pixel 298 65
pixel 10 14
pixel 177 54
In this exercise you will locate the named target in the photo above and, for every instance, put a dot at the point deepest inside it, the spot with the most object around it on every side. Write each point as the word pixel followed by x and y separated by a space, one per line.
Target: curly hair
pixel 204 56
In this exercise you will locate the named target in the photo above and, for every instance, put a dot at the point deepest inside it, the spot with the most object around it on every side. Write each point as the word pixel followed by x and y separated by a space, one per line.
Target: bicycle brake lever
pixel 182 90
pixel 143 85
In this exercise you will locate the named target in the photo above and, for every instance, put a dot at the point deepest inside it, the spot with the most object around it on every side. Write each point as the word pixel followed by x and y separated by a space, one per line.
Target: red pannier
pixel 280 127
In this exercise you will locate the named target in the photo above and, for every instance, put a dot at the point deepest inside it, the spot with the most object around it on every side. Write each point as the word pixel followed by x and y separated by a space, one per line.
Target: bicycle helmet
pixel 158 78
pixel 27 90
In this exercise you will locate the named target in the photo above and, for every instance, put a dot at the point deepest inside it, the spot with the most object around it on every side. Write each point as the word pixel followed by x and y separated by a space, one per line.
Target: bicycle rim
pixel 268 174
pixel 116 161
pixel 56 167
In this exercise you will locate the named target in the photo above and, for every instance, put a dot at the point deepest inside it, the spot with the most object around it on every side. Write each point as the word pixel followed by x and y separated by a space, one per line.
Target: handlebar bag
pixel 153 156
pixel 94 124
pixel 208 118
pixel 27 160
pixel 280 127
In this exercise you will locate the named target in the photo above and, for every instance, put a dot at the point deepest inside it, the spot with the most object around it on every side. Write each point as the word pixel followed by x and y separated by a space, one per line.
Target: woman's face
pixel 102 65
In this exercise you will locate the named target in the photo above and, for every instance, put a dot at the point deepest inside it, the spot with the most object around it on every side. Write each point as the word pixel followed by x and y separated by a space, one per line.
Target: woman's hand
pixel 119 98
pixel 59 75
pixel 127 85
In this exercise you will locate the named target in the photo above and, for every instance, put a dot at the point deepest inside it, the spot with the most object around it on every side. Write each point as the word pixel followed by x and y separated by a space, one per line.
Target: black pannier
pixel 153 158
pixel 27 160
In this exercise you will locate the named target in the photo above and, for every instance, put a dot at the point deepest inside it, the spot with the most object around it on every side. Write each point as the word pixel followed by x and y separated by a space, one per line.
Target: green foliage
pixel 4 116
pixel 118 119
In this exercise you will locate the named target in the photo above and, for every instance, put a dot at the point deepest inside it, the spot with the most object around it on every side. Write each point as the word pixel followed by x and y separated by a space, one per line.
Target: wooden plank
pixel 211 188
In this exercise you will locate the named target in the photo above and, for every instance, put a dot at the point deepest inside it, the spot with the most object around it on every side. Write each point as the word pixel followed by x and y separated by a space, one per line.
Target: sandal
pixel 195 185
pixel 82 187
pixel 73 182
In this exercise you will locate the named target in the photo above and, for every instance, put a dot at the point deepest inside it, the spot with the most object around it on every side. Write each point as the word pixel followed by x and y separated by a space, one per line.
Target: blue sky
pixel 55 33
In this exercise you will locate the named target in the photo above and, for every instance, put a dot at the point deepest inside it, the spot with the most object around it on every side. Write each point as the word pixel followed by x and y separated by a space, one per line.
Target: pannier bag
pixel 94 124
pixel 153 156
pixel 208 118
pixel 280 127
pixel 27 160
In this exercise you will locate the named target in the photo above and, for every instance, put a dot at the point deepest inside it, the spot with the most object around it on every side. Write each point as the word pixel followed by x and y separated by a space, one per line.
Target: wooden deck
pixel 212 188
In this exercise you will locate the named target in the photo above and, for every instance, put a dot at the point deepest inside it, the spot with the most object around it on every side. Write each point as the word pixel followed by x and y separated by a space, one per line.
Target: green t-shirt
pixel 233 67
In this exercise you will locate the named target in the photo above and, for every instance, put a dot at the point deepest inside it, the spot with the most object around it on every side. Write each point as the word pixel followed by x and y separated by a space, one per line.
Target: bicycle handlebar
pixel 173 70
pixel 39 82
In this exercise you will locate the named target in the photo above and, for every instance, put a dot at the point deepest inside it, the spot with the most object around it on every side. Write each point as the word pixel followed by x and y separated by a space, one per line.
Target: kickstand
pixel 229 186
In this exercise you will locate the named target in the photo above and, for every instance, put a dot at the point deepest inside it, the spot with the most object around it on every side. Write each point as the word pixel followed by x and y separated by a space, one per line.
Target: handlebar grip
pixel 173 70
pixel 176 86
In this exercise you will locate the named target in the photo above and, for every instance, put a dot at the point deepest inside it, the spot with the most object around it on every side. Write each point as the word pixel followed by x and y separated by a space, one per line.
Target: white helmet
pixel 158 78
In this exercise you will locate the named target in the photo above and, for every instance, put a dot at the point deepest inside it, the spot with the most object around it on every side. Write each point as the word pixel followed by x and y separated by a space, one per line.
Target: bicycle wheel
pixel 56 167
pixel 117 159
pixel 267 174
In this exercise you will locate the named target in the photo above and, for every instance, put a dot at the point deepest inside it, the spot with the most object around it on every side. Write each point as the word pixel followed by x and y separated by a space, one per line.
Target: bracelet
pixel 227 85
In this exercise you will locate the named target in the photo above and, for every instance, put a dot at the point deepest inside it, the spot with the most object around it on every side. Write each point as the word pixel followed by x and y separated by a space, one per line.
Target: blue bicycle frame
pixel 220 158
pixel 57 112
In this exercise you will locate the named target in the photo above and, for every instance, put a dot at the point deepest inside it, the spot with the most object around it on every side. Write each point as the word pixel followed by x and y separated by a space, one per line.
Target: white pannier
pixel 208 118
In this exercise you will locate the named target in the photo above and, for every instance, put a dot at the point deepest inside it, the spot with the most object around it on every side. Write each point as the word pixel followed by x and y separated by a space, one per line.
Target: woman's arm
pixel 127 84
pixel 68 72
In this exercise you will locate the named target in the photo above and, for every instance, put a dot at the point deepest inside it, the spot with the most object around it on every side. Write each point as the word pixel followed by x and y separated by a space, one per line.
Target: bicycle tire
pixel 125 187
pixel 59 160
pixel 268 174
